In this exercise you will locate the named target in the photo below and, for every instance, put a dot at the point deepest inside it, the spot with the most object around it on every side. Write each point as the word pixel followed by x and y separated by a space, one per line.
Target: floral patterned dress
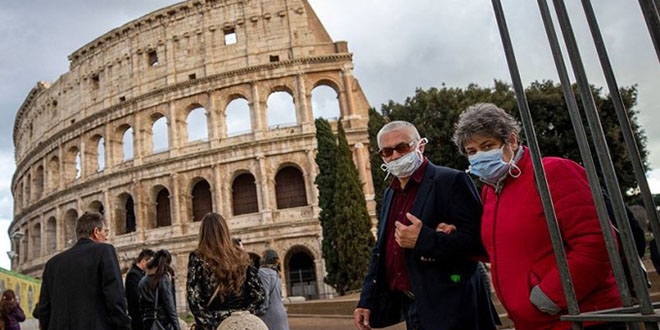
pixel 201 285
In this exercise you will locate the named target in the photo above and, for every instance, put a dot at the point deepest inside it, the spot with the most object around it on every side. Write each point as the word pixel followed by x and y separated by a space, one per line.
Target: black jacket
pixel 133 278
pixel 166 312
pixel 449 293
pixel 82 289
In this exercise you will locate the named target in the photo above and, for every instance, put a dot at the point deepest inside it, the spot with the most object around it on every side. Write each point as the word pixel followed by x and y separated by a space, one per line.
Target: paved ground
pixel 328 323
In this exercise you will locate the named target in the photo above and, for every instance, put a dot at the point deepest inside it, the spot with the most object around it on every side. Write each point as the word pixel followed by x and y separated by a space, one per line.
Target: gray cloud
pixel 397 45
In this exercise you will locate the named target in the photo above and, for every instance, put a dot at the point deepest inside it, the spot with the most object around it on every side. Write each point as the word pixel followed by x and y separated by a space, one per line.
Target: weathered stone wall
pixel 164 65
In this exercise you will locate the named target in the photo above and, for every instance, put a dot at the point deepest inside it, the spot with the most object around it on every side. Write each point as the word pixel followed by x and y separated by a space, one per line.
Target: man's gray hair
pixel 399 125
pixel 483 120
pixel 87 223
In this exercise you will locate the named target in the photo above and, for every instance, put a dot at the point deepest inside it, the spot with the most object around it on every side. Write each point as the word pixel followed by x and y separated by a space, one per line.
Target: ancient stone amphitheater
pixel 206 105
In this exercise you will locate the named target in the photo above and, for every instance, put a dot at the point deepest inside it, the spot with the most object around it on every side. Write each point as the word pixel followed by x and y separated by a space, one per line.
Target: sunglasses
pixel 400 148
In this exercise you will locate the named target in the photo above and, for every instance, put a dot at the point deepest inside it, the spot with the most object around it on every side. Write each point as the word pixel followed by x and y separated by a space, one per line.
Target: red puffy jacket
pixel 516 237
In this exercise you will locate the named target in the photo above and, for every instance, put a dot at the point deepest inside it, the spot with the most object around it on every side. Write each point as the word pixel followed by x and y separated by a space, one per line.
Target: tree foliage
pixel 376 121
pixel 325 182
pixel 347 237
pixel 354 239
pixel 435 112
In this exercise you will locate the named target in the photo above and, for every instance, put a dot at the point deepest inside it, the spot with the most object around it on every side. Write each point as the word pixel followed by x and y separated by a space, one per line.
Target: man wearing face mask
pixel 514 230
pixel 418 274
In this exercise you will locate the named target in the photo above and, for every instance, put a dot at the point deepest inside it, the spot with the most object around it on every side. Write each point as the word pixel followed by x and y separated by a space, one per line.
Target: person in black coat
pixel 82 287
pixel 156 293
pixel 133 278
pixel 426 277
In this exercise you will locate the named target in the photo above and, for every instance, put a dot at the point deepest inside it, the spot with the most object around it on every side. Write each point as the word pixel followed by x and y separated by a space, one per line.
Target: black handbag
pixel 156 324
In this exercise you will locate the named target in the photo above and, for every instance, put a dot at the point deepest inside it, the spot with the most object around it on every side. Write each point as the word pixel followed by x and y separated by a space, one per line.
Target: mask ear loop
pixel 514 170
pixel 383 167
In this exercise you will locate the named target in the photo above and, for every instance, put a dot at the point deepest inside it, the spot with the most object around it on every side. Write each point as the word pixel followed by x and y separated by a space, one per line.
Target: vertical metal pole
pixel 650 12
pixel 539 173
pixel 624 121
pixel 585 153
pixel 604 158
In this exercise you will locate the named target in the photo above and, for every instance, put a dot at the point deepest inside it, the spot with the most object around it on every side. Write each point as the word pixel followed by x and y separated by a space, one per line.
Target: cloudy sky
pixel 397 45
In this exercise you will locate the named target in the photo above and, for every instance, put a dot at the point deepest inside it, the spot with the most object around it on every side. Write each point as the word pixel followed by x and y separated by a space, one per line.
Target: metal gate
pixel 634 311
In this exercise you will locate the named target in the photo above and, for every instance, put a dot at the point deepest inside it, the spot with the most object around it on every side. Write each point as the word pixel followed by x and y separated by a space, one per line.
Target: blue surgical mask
pixel 489 165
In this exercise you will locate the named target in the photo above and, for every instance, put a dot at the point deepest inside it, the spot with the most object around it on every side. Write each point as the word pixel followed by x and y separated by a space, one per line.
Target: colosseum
pixel 205 105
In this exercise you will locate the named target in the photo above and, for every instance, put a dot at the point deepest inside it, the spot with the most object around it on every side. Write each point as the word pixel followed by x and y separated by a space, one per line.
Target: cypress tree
pixel 351 220
pixel 325 183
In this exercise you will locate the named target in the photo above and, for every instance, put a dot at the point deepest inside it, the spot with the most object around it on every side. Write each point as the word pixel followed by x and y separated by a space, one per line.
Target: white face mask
pixel 405 166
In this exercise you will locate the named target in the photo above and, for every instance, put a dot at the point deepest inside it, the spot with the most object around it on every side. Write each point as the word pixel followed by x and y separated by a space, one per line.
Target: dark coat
pixel 443 277
pixel 82 289
pixel 133 278
pixel 166 305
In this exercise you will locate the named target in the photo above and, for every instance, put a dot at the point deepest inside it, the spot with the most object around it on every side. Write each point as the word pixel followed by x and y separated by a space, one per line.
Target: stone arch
pixel 96 206
pixel 159 138
pixel 197 128
pixel 281 108
pixel 238 116
pixel 51 235
pixel 53 173
pixel 72 163
pixel 325 101
pixel 38 182
pixel 126 145
pixel 125 214
pixel 162 207
pixel 300 272
pixel 290 188
pixel 70 219
pixel 244 194
pixel 201 198
pixel 36 240
pixel 95 154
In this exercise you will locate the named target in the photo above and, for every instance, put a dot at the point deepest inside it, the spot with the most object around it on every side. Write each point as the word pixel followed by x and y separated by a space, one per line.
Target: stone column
pixel 216 191
pixel 175 200
pixel 258 115
pixel 347 75
pixel 262 192
pixel 174 138
pixel 213 121
pixel 312 194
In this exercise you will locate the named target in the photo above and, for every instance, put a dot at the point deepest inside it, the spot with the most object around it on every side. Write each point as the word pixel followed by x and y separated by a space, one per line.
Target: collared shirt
pixel 402 203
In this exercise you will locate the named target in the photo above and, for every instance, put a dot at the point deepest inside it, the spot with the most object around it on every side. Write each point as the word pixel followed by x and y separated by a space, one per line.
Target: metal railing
pixel 635 310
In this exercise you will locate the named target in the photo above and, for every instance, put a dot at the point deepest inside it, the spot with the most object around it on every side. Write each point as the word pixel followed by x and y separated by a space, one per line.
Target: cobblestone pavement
pixel 329 323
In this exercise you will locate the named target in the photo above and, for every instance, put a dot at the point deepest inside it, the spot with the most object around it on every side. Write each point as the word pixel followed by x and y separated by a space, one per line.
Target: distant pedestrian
pixel 12 314
pixel 133 278
pixel 82 286
pixel 156 293
pixel 272 311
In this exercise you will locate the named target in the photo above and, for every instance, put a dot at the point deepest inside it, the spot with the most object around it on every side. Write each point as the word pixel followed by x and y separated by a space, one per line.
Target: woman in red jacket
pixel 514 229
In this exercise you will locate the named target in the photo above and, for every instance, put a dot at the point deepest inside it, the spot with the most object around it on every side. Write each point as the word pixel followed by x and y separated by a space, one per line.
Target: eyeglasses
pixel 106 231
pixel 400 148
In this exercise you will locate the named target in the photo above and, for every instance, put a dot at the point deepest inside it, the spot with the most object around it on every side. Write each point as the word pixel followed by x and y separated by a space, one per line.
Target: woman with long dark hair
pixel 11 311
pixel 156 293
pixel 221 278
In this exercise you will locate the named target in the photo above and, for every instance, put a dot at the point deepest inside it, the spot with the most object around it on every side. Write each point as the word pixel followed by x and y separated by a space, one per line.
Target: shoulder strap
pixel 213 296
pixel 156 305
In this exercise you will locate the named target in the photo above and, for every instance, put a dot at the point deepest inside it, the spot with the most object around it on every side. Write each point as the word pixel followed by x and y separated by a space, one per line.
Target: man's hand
pixel 445 228
pixel 361 318
pixel 406 236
